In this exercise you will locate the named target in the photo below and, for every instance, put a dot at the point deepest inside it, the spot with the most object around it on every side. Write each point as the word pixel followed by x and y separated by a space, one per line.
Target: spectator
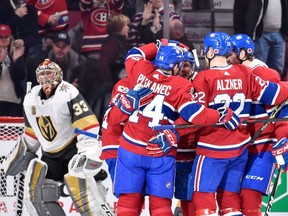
pixel 177 32
pixel 22 20
pixel 76 36
pixel 94 18
pixel 65 57
pixel 52 15
pixel 32 62
pixel 266 22
pixel 12 73
pixel 110 64
pixel 146 26
pixel 114 47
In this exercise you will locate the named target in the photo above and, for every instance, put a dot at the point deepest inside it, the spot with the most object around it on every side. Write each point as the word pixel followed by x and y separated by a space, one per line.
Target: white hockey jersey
pixel 51 122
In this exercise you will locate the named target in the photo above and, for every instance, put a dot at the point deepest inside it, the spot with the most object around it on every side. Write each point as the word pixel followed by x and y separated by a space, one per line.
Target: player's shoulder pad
pixel 32 94
pixel 65 90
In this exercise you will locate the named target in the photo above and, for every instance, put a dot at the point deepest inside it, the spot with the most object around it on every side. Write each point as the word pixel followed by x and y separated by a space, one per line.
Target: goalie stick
pixel 86 133
pixel 273 192
pixel 105 209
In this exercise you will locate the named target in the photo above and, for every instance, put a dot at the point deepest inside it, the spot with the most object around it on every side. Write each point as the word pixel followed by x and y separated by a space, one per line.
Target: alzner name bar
pixel 229 84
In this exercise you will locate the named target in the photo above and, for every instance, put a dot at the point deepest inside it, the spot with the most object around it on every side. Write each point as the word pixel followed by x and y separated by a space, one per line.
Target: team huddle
pixel 207 167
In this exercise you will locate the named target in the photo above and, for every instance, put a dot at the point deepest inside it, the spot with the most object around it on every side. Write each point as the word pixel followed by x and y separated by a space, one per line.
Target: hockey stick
pixel 79 131
pixel 104 208
pixel 271 117
pixel 182 126
pixel 273 192
pixel 266 121
pixel 197 63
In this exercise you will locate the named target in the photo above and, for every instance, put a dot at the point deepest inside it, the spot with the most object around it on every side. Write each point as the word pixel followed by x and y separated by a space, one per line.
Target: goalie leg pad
pixel 88 196
pixel 41 195
pixel 18 159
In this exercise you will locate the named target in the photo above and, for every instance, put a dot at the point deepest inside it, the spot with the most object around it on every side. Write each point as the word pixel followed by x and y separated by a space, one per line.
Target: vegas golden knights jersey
pixel 51 121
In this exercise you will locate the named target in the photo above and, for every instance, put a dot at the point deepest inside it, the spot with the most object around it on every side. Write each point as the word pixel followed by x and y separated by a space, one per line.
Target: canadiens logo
pixel 64 88
pixel 33 110
pixel 99 17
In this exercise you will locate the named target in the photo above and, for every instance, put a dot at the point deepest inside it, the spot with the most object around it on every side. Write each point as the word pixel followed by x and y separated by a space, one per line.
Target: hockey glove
pixel 161 144
pixel 87 162
pixel 280 152
pixel 230 120
pixel 134 99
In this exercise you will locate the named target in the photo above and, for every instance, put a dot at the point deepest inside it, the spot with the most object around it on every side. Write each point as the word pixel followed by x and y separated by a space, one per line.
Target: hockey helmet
pixel 220 42
pixel 242 41
pixel 168 56
pixel 43 78
pixel 188 56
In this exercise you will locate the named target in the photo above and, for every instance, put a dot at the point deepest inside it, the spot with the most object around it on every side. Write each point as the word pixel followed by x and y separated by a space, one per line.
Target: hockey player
pixel 52 110
pixel 110 135
pixel 186 149
pixel 151 163
pixel 221 158
pixel 260 160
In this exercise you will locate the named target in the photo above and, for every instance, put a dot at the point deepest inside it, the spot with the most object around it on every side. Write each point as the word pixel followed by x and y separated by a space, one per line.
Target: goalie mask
pixel 49 74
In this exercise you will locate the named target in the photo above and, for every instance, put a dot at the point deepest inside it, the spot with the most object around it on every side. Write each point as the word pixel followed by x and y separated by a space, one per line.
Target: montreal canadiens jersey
pixel 186 149
pixel 94 18
pixel 234 86
pixel 47 8
pixel 112 133
pixel 260 111
pixel 172 97
pixel 51 122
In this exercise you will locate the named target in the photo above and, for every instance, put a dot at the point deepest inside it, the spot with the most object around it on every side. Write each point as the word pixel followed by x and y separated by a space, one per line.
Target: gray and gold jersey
pixel 52 121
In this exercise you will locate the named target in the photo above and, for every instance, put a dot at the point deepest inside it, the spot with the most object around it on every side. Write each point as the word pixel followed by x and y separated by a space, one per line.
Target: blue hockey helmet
pixel 242 41
pixel 188 56
pixel 168 56
pixel 220 42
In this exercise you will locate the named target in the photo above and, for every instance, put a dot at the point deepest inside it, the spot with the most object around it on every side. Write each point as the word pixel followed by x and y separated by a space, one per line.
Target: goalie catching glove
pixel 230 120
pixel 134 99
pixel 87 162
pixel 162 143
pixel 280 152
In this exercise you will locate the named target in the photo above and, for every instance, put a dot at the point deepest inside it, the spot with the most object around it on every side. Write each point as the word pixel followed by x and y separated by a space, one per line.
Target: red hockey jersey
pixel 173 97
pixel 94 18
pixel 234 86
pixel 112 133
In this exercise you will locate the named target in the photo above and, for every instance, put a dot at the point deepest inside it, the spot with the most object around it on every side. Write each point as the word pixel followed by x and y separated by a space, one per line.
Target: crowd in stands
pixel 90 49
